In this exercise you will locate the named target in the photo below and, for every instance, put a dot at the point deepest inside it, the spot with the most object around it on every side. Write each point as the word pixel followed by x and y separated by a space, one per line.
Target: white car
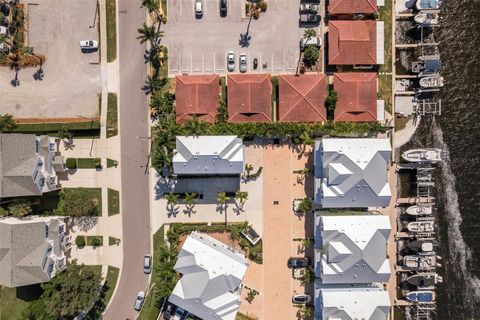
pixel 301 298
pixel 88 44
pixel 230 61
pixel 198 8
pixel 3 30
pixel 139 300
pixel 242 62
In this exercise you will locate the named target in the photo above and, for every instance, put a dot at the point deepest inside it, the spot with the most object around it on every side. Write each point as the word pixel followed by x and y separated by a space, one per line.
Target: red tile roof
pixel 197 95
pixel 249 98
pixel 352 42
pixel 357 96
pixel 302 98
pixel 352 6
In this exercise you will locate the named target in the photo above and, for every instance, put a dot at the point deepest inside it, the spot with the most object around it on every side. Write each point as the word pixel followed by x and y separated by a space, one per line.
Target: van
pixel 312 41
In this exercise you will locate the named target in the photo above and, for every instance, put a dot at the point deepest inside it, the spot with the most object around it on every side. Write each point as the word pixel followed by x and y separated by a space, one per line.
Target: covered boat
pixel 431 82
pixel 426 19
pixel 421 296
pixel 423 155
pixel 424 280
pixel 420 262
pixel 422 245
pixel 421 226
pixel 427 4
pixel 420 209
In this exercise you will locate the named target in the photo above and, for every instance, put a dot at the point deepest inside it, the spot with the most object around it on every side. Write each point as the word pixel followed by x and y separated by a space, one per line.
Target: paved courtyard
pixel 71 80
pixel 200 45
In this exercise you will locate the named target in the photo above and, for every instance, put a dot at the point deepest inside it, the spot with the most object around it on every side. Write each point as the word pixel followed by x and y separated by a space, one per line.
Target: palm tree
pixel 171 201
pixel 222 199
pixel 194 127
pixel 190 201
pixel 305 205
pixel 241 196
pixel 149 34
pixel 7 122
pixel 151 5
pixel 309 33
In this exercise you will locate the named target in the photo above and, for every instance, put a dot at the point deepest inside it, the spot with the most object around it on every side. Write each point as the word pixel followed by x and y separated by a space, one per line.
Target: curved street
pixel 133 124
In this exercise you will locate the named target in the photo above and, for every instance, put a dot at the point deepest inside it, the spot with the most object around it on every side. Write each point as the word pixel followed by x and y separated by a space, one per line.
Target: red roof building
pixel 357 96
pixel 339 7
pixel 249 98
pixel 197 95
pixel 352 42
pixel 302 98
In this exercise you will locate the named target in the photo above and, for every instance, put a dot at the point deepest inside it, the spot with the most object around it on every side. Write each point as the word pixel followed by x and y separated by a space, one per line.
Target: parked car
pixel 3 30
pixel 198 8
pixel 167 313
pixel 309 18
pixel 298 262
pixel 4 47
pixel 230 61
pixel 89 44
pixel 301 298
pixel 147 264
pixel 179 313
pixel 139 300
pixel 242 62
pixel 255 63
pixel 312 41
pixel 308 7
pixel 223 8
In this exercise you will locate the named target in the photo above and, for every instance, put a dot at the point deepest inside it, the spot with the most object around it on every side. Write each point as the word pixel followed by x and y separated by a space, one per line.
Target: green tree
pixel 241 197
pixel 172 200
pixel 77 202
pixel 248 169
pixel 149 34
pixel 190 201
pixel 7 122
pixel 331 102
pixel 309 33
pixel 20 208
pixel 222 200
pixel 305 311
pixel 151 5
pixel 222 112
pixel 305 205
pixel 310 56
pixel 194 127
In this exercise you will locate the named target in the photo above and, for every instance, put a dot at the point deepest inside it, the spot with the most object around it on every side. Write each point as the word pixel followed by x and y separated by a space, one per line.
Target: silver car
pixel 139 300
pixel 301 298
pixel 147 264
pixel 230 61
pixel 243 62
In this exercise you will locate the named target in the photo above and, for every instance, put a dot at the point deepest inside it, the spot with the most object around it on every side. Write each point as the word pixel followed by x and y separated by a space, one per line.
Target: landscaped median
pixel 83 163
pixel 111 30
pixel 82 129
pixel 112 115
pixel 113 202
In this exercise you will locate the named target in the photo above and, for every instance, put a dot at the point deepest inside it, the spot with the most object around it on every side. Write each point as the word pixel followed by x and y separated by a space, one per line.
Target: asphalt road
pixel 134 153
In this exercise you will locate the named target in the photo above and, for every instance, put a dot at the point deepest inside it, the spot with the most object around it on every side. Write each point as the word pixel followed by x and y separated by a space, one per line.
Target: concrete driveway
pixel 71 78
pixel 200 45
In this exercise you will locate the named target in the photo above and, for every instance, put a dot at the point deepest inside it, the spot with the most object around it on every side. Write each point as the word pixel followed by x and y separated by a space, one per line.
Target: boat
pixel 420 209
pixel 421 296
pixel 424 280
pixel 431 82
pixel 427 4
pixel 420 262
pixel 421 226
pixel 423 155
pixel 426 19
pixel 422 245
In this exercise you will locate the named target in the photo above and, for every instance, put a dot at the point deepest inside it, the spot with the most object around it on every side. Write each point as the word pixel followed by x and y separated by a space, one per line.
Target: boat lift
pixel 428 107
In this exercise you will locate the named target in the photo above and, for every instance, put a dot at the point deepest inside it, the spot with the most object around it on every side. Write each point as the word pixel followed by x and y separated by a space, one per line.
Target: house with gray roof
pixel 32 250
pixel 352 249
pixel 208 155
pixel 211 277
pixel 352 173
pixel 28 165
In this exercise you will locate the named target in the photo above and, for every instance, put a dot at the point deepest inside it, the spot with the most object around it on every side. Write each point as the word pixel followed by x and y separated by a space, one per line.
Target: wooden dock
pixel 414 200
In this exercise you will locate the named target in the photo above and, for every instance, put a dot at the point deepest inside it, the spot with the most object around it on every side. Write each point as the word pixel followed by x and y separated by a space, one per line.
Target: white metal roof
pixel 208 155
pixel 380 42
pixel 352 173
pixel 211 275
pixel 354 249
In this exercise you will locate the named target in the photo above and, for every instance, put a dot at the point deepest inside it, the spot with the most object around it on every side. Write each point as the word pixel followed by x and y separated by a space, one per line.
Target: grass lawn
pixel 385 81
pixel 113 241
pixel 91 239
pixel 113 202
pixel 401 122
pixel 10 306
pixel 150 311
pixel 112 115
pixel 274 94
pixel 87 163
pixel 111 282
pixel 111 163
pixel 111 31
pixel 385 91
pixel 223 85
pixel 80 129
pixel 96 195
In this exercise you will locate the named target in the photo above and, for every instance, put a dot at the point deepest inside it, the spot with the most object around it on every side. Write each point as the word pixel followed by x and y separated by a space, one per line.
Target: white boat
pixel 424 280
pixel 431 82
pixel 420 262
pixel 427 4
pixel 421 296
pixel 426 19
pixel 421 226
pixel 423 155
pixel 420 209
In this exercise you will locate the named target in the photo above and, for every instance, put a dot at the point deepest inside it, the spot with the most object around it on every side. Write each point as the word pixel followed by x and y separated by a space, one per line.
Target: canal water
pixel 457 130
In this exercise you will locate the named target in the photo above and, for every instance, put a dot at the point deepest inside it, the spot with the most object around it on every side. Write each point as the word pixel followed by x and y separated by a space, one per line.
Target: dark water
pixel 458 178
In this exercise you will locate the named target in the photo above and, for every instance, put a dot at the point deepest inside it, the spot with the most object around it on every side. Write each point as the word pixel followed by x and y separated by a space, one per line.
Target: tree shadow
pixel 85 223
pixel 172 210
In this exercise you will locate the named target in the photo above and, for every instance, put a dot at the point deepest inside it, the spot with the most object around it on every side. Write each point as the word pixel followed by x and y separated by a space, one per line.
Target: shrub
pixel 80 241
pixel 262 5
pixel 71 163
pixel 96 242
pixel 310 56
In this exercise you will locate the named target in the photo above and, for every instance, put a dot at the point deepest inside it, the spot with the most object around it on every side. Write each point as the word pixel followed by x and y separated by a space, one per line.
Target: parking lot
pixel 199 45
pixel 71 80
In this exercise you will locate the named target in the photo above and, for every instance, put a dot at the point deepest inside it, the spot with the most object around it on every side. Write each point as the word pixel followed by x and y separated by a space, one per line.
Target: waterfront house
pixel 249 98
pixel 355 42
pixel 32 250
pixel 352 173
pixel 28 165
pixel 352 249
pixel 302 98
pixel 197 95
pixel 211 278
